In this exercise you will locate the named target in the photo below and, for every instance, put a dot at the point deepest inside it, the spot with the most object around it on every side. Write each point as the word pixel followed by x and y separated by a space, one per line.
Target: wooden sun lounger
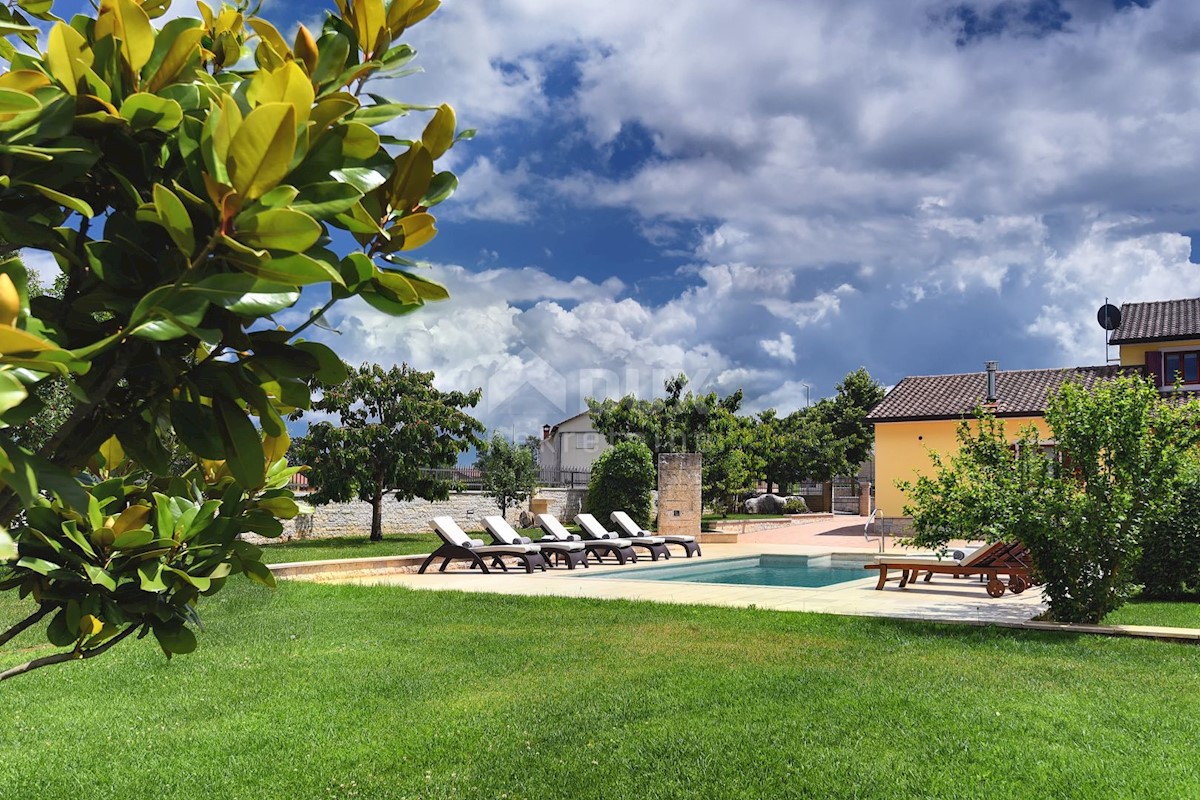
pixel 457 546
pixel 1009 559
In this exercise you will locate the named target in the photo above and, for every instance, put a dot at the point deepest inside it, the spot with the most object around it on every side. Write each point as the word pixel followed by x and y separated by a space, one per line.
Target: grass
pixel 396 544
pixel 1153 612
pixel 320 691
pixel 393 544
pixel 726 518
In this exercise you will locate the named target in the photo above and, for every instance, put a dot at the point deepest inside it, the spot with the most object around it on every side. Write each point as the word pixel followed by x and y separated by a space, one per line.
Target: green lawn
pixel 393 544
pixel 1149 612
pixel 317 691
pixel 720 518
pixel 396 544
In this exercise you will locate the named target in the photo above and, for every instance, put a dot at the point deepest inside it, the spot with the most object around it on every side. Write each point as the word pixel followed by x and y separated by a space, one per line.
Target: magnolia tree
pixel 189 181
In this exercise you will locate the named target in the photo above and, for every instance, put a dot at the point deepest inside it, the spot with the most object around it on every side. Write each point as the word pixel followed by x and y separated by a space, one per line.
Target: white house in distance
pixel 572 445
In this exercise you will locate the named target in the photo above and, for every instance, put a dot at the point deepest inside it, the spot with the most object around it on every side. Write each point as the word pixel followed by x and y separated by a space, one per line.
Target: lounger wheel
pixel 995 587
pixel 1017 584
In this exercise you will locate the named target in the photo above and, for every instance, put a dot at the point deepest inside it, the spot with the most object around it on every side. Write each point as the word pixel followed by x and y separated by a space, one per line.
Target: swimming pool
pixel 759 570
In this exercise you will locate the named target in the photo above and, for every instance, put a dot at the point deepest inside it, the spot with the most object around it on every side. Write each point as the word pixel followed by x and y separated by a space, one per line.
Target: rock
pixel 776 504
pixel 765 504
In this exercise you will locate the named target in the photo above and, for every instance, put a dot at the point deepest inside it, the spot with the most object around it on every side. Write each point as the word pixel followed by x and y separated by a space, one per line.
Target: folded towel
pixel 473 543
pixel 524 540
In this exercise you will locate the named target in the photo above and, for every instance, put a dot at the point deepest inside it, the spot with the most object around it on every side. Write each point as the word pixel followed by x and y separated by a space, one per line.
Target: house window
pixel 1183 367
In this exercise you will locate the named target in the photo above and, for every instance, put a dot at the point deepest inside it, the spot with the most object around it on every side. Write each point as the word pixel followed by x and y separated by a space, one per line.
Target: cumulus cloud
pixel 913 187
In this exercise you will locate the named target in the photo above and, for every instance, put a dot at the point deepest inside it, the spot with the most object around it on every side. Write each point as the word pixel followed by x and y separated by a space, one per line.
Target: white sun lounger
pixel 572 553
pixel 592 529
pixel 457 546
pixel 620 549
pixel 634 531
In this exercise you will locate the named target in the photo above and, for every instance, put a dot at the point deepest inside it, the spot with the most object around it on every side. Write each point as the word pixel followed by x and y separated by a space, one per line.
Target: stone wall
pixel 679 502
pixel 412 516
pixel 893 526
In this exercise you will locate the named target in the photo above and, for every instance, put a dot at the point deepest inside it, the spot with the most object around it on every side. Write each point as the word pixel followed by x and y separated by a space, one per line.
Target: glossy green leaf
pixel 364 179
pixel 39 565
pixel 196 425
pixel 174 217
pixel 145 111
pixel 100 577
pixel 12 392
pixel 262 149
pixel 133 539
pixel 440 189
pixel 279 229
pixel 243 447
pixel 175 638
pixel 324 200
pixel 259 573
pixel 332 369
pixel 246 295
pixel 438 135
pixel 294 270
pixel 17 102
pixel 150 576
pixel 380 113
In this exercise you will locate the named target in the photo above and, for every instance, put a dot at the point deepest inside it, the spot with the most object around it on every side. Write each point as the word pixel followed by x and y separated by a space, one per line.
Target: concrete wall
pixel 467 508
pixel 679 502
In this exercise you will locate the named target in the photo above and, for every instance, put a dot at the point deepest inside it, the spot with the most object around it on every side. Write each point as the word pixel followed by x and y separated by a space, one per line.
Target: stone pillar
pixel 864 498
pixel 679 504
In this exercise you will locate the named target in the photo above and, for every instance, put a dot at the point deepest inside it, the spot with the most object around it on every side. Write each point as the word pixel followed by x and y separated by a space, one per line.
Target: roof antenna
pixel 1109 317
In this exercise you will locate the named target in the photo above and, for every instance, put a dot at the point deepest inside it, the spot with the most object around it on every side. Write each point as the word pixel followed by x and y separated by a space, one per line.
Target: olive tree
pixel 190 181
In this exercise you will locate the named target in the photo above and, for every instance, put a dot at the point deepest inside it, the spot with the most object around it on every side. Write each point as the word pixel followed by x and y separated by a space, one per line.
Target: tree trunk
pixel 377 517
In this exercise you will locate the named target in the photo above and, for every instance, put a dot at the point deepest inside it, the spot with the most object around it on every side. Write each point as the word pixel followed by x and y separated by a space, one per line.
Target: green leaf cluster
pixel 189 181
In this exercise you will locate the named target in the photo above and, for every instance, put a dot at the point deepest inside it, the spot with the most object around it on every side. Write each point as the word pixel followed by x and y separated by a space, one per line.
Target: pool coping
pixel 935 603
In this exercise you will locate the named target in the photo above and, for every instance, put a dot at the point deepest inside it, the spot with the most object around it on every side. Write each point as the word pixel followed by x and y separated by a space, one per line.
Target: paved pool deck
pixel 944 599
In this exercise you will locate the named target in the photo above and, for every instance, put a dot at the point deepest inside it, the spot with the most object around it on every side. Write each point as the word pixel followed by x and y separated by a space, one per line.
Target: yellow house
pixel 1163 337
pixel 921 414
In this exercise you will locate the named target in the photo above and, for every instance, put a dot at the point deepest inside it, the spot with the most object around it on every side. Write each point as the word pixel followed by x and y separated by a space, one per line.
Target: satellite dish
pixel 1109 317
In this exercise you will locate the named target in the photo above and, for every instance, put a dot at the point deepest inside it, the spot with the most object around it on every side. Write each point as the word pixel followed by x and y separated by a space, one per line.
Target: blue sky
pixel 768 195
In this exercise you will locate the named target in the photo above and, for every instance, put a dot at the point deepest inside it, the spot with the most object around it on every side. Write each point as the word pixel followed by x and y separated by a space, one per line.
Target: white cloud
pixel 782 348
pixel 848 185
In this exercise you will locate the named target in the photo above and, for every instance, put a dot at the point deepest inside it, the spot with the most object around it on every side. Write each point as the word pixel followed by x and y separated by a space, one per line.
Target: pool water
pixel 762 570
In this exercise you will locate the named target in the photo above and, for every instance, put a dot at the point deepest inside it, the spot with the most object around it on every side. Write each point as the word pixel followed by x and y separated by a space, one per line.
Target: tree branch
pixel 62 658
pixel 24 624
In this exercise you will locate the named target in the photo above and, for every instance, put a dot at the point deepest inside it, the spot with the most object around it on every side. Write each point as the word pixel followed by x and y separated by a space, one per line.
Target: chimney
pixel 545 431
pixel 991 380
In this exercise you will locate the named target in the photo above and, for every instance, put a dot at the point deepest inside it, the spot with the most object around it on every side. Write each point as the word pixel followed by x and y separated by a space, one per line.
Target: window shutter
pixel 1154 367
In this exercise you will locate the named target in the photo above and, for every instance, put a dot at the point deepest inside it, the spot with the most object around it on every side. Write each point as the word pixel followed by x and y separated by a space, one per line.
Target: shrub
pixel 622 479
pixel 795 505
pixel 1170 564
pixel 1121 454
